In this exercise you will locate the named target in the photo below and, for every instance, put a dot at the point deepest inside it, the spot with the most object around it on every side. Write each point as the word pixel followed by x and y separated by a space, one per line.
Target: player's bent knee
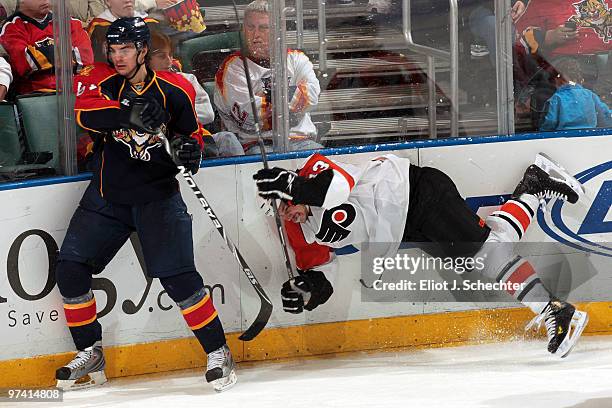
pixel 73 278
pixel 494 257
pixel 182 287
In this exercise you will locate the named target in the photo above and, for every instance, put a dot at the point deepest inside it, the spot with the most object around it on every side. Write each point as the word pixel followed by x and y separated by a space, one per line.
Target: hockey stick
pixel 265 311
pixel 260 142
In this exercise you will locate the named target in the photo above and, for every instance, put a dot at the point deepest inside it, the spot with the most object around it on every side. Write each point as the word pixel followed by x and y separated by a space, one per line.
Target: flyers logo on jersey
pixel 138 143
pixel 335 223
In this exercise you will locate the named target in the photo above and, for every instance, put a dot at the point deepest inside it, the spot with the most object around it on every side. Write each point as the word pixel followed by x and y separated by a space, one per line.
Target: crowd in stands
pixel 562 60
pixel 27 38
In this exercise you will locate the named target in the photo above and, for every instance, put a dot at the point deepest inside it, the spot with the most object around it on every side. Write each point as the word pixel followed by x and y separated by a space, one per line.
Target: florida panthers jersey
pixel 133 167
pixel 362 204
pixel 234 104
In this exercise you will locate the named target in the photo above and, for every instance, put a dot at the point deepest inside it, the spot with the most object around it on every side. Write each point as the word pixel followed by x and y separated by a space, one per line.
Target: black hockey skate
pixel 84 371
pixel 564 325
pixel 547 179
pixel 220 369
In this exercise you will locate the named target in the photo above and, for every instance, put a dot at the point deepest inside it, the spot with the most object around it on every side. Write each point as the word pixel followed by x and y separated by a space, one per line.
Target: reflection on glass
pixel 562 60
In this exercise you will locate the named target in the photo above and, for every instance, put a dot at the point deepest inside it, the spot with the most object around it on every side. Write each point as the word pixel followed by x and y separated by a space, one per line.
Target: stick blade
pixel 260 321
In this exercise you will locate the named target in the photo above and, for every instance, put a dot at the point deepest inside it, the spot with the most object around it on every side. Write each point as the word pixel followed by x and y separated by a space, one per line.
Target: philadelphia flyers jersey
pixel 133 167
pixel 362 204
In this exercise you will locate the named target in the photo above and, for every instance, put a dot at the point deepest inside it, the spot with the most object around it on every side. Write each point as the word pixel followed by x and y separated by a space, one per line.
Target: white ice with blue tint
pixel 517 374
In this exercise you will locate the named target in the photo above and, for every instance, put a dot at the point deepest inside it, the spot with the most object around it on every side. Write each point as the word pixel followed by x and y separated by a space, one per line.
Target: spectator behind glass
pixel 482 23
pixel 160 59
pixel 232 97
pixel 552 29
pixel 83 10
pixel 572 106
pixel 99 26
pixel 6 75
pixel 27 38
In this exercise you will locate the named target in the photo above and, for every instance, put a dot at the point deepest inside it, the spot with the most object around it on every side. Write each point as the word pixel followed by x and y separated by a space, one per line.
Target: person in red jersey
pixel 28 40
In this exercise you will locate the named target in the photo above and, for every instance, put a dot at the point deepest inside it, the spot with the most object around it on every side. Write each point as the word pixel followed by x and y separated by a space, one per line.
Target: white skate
pixel 220 369
pixel 558 173
pixel 86 370
pixel 564 326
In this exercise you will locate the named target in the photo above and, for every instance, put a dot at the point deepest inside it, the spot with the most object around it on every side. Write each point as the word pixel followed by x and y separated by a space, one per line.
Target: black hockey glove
pixel 187 153
pixel 277 183
pixel 306 291
pixel 142 114
pixel 287 185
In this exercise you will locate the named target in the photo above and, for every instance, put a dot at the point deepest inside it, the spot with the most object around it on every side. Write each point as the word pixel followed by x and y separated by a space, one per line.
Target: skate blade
pixel 558 172
pixel 579 322
pixel 89 381
pixel 225 383
pixel 535 323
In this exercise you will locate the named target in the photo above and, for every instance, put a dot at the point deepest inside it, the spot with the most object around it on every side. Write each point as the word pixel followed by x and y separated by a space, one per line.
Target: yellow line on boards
pixel 428 330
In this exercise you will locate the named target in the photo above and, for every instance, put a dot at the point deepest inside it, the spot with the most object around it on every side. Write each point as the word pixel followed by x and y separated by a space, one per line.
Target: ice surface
pixel 515 374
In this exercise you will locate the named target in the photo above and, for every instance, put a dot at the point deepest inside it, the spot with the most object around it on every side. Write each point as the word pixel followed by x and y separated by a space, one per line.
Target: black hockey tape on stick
pixel 265 310
pixel 260 142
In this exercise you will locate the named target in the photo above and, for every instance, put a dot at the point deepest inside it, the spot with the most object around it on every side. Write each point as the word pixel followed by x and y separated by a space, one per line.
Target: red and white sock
pixel 510 222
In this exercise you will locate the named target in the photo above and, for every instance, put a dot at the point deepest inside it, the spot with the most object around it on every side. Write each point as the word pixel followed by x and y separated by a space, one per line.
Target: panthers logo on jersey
pixel 594 14
pixel 45 42
pixel 138 143
pixel 335 223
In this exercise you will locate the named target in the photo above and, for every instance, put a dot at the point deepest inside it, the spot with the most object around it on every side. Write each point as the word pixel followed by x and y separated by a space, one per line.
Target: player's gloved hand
pixel 305 292
pixel 276 183
pixel 142 114
pixel 187 153
pixel 153 114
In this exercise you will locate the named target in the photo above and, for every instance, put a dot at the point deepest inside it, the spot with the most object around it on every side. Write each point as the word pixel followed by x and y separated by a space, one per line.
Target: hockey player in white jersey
pixel 232 98
pixel 389 200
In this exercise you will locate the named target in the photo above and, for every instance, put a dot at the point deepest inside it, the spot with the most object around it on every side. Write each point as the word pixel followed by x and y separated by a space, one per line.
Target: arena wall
pixel 144 333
